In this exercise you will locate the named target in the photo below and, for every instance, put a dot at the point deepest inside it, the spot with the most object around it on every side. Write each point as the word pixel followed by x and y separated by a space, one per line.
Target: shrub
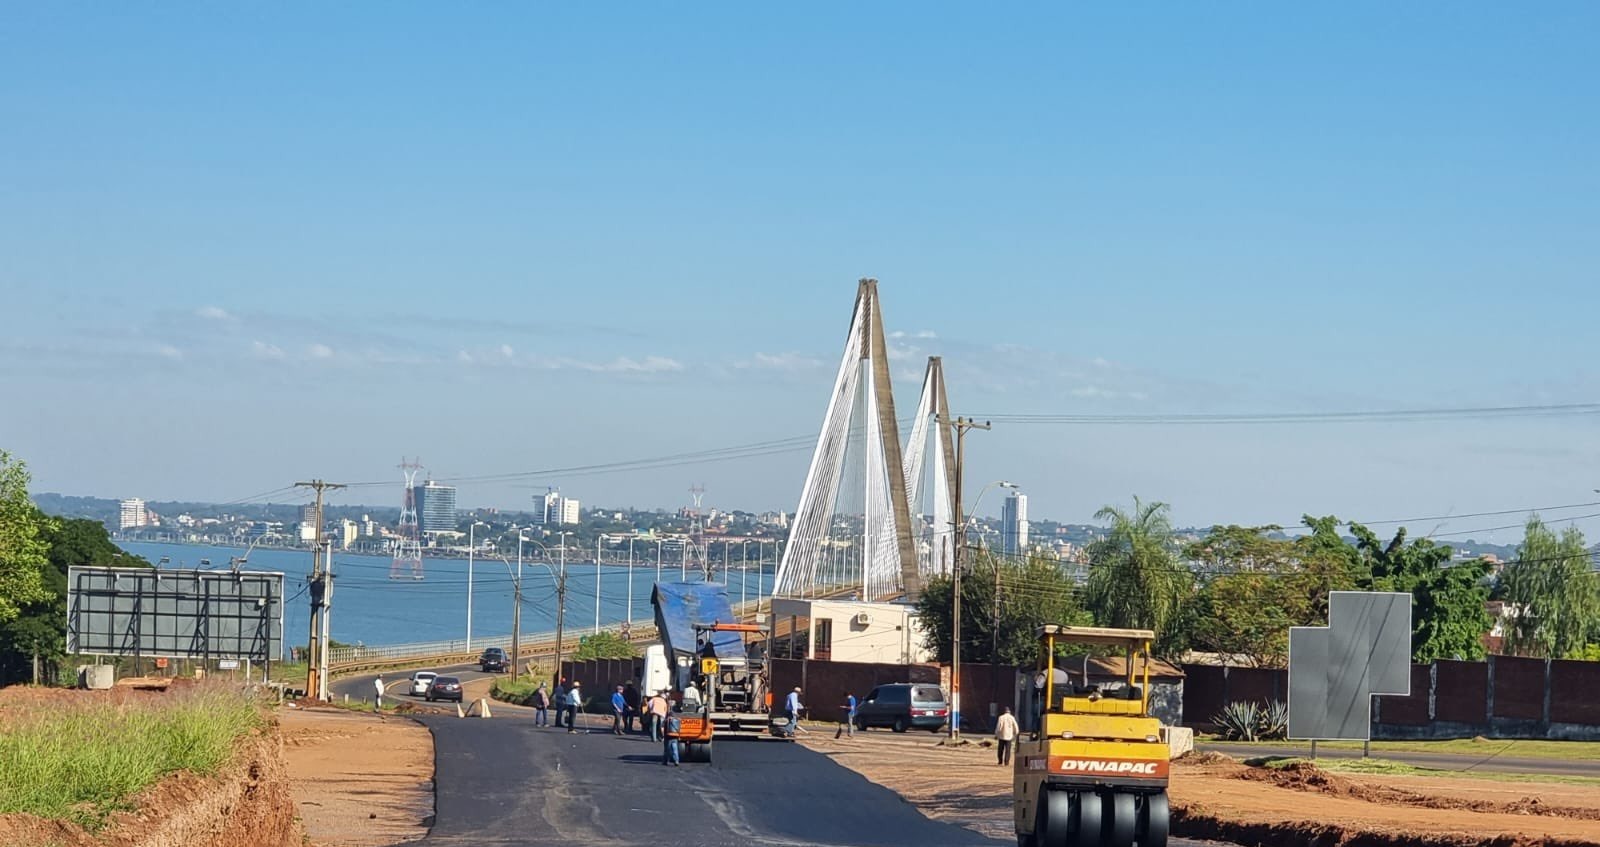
pixel 85 760
pixel 1238 721
pixel 1248 721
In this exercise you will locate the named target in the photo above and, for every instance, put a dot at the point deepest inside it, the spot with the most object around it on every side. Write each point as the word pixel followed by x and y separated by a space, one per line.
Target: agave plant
pixel 1274 721
pixel 1239 721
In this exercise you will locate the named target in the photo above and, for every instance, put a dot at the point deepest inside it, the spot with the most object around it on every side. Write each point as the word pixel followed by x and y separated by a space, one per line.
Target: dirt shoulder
pixel 359 780
pixel 1217 798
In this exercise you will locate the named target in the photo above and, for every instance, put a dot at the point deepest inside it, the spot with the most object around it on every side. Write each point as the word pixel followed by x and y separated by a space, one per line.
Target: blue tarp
pixel 682 605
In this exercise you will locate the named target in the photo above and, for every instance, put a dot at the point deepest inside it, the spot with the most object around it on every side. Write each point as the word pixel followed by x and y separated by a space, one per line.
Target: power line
pixel 1368 416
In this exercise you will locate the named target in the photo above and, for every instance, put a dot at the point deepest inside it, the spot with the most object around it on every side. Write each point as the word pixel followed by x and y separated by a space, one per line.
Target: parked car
pixel 420 682
pixel 494 659
pixel 903 705
pixel 444 688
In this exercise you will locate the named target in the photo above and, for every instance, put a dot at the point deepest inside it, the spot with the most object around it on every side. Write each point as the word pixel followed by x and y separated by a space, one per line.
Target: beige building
pixel 847 631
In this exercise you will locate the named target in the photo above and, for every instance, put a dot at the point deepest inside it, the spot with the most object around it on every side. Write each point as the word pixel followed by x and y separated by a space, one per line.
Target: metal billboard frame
pixel 1335 670
pixel 179 614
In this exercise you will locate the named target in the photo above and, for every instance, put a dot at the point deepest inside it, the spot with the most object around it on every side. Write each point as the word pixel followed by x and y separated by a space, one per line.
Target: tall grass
pixel 85 760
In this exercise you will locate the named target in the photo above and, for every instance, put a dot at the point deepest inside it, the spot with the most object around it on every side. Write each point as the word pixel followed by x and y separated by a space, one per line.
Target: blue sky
pixel 245 244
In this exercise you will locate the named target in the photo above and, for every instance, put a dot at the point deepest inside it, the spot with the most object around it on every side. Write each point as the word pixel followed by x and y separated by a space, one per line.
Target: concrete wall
pixel 1503 697
pixel 826 683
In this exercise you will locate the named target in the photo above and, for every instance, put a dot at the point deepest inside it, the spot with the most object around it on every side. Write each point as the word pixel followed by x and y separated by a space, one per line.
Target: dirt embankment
pixel 248 804
pixel 359 780
pixel 1217 798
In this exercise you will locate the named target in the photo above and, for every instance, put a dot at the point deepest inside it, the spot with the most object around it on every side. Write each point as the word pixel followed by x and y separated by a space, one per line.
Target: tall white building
pixel 132 514
pixel 552 508
pixel 1014 524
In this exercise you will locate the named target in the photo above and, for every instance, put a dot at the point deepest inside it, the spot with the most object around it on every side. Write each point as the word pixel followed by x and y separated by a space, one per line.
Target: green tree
pixel 1031 592
pixel 22 550
pixel 1256 586
pixel 1448 620
pixel 1552 593
pixel 1135 579
pixel 604 645
pixel 36 639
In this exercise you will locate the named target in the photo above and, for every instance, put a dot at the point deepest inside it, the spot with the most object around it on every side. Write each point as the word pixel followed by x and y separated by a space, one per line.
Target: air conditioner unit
pixel 863 619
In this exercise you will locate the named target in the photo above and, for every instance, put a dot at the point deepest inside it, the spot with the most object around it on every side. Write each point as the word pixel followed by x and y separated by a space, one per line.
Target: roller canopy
pixel 681 606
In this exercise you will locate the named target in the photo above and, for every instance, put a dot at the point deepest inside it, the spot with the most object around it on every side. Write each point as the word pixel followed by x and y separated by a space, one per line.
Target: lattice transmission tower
pixel 696 548
pixel 407 563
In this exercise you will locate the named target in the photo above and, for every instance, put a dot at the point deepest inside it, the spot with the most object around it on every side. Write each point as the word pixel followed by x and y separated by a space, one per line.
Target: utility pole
pixel 961 425
pixel 516 616
pixel 316 657
pixel 561 605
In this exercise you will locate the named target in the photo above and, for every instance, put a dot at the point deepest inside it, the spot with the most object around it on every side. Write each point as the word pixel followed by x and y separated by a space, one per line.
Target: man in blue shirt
pixel 849 725
pixel 619 711
pixel 792 705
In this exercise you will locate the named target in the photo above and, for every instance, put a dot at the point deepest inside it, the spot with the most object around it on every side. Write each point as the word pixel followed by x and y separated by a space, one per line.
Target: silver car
pixel 420 682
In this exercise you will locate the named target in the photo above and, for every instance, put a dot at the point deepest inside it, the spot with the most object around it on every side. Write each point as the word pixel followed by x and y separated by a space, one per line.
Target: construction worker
pixel 559 700
pixel 377 702
pixel 669 742
pixel 631 695
pixel 619 711
pixel 574 703
pixel 541 707
pixel 658 707
pixel 849 725
pixel 1005 734
pixel 792 705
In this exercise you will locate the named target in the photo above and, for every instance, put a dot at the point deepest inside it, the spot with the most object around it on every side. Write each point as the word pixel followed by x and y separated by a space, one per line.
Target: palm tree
pixel 1135 579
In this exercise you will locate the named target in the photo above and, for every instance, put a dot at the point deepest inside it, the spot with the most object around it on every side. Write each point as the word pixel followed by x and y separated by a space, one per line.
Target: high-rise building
pixel 436 506
pixel 1014 524
pixel 349 531
pixel 132 514
pixel 552 508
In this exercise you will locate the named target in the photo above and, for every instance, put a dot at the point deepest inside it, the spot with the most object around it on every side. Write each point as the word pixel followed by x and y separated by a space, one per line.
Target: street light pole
pixel 994 561
pixel 658 559
pixel 597 541
pixel 630 582
pixel 961 426
pixel 471 549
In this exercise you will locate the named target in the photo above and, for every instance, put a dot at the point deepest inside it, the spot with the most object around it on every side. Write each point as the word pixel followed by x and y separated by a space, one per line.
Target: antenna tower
pixel 407 563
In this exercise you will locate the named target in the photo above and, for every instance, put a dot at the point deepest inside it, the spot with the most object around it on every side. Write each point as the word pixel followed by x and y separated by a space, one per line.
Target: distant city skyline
pixel 235 259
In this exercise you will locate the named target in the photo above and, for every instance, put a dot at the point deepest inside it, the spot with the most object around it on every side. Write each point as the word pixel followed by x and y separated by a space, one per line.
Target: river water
pixel 370 608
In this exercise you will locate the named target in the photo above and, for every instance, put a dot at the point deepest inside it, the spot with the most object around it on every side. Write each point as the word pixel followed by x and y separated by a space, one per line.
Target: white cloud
pixel 320 351
pixel 463 357
pixel 623 364
pixel 921 333
pixel 169 351
pixel 506 351
pixel 790 361
pixel 213 313
pixel 262 350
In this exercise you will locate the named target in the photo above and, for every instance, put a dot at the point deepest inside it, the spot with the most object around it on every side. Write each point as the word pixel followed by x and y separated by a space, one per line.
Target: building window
pixel 823 630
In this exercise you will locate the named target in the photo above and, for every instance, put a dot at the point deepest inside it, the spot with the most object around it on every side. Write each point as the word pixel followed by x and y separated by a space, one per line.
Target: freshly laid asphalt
pixel 505 782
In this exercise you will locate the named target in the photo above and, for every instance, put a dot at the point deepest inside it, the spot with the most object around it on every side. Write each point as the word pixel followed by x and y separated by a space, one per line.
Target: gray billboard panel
pixel 1334 670
pixel 175 613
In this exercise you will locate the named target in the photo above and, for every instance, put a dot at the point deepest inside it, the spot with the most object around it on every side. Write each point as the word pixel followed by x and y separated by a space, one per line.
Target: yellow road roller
pixel 1094 771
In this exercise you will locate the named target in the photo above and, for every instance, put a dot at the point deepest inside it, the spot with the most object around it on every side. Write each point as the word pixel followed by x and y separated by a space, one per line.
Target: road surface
pixel 1487 762
pixel 505 783
pixel 398 683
